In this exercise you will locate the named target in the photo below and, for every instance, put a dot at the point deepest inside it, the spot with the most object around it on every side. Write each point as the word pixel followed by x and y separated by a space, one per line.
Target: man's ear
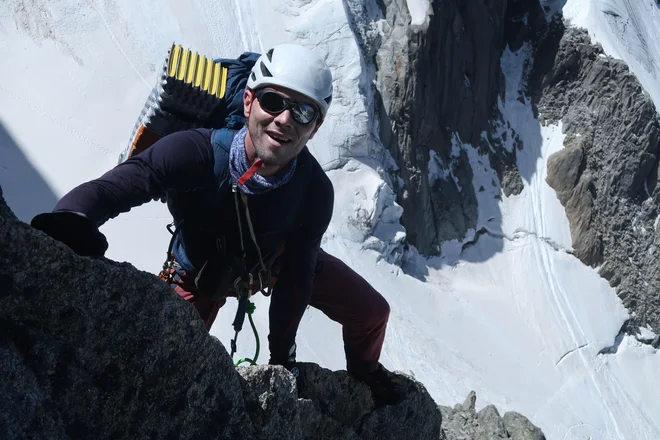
pixel 248 100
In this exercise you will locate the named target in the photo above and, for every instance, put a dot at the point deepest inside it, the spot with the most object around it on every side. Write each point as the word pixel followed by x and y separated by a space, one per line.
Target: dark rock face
pixel 97 349
pixel 606 176
pixel 436 86
pixel 448 84
pixel 432 83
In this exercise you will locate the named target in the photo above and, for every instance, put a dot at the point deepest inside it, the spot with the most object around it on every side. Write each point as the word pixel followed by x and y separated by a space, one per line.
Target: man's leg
pixel 347 298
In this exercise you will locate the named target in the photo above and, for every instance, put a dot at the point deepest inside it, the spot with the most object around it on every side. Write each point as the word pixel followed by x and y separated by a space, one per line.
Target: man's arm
pixel 180 161
pixel 293 291
pixel 177 161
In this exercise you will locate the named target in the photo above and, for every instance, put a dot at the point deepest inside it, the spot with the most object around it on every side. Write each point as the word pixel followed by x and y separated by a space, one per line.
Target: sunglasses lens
pixel 303 113
pixel 272 102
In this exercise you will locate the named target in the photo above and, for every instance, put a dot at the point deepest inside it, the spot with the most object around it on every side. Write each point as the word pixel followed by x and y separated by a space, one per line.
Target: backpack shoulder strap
pixel 221 140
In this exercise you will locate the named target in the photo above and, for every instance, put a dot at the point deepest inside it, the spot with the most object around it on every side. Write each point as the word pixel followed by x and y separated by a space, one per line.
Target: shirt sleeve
pixel 178 161
pixel 293 291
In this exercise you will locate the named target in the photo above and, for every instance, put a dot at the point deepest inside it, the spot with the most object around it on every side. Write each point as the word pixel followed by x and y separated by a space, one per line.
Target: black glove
pixel 74 230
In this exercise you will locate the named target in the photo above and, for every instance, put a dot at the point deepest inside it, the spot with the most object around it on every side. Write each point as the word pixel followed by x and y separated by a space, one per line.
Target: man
pixel 276 209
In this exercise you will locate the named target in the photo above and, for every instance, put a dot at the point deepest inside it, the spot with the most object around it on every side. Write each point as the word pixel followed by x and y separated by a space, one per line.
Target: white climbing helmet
pixel 296 68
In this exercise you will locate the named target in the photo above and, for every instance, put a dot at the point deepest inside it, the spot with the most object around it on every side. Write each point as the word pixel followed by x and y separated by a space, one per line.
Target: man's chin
pixel 271 157
pixel 273 161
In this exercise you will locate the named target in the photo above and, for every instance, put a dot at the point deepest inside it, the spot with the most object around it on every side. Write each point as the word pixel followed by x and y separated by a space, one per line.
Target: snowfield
pixel 513 315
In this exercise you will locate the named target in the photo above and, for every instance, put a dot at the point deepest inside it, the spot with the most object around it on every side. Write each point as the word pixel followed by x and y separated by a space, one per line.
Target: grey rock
pixel 520 428
pixel 580 211
pixel 464 423
pixel 607 175
pixel 470 402
pixel 320 426
pixel 417 417
pixel 491 421
pixel 271 401
pixel 564 169
pixel 336 394
pixel 512 183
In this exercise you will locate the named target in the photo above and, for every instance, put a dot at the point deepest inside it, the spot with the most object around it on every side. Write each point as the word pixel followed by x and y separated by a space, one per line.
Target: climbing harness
pixel 243 289
pixel 244 286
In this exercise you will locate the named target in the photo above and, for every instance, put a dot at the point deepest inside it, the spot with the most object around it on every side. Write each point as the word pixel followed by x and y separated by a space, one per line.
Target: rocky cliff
pixel 607 174
pixel 97 349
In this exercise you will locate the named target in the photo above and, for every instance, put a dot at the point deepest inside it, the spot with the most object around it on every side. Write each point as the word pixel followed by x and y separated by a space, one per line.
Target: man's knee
pixel 379 310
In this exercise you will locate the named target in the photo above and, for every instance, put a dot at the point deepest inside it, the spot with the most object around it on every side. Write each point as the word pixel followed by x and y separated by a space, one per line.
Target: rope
pixel 252 234
pixel 238 218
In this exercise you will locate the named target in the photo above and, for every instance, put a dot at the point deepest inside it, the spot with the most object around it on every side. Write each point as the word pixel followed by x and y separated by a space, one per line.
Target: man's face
pixel 276 138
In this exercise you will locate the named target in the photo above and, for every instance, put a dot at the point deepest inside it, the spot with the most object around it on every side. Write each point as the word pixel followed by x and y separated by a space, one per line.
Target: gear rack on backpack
pixel 189 88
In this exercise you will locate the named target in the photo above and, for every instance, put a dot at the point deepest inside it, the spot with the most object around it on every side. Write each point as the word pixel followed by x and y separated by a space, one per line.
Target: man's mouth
pixel 279 138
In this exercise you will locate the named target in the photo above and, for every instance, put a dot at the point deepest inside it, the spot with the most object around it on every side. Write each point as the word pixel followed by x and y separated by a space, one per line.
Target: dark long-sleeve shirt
pixel 181 167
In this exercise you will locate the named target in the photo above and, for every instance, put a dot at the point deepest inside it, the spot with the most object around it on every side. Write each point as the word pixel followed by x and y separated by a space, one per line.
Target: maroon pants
pixel 341 294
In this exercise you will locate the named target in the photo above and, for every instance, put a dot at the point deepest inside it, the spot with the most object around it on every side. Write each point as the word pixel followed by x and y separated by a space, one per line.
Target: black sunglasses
pixel 274 103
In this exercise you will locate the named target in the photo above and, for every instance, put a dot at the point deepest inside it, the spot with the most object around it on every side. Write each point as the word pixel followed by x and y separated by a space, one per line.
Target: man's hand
pixel 74 230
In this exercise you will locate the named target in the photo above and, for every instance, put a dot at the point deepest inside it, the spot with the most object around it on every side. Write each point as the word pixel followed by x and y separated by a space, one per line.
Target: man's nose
pixel 285 118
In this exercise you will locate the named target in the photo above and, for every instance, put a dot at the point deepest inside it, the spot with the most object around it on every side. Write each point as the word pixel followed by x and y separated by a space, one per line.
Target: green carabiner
pixel 250 309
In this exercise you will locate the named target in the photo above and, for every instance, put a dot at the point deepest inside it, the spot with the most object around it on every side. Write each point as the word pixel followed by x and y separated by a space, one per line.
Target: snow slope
pixel 513 316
